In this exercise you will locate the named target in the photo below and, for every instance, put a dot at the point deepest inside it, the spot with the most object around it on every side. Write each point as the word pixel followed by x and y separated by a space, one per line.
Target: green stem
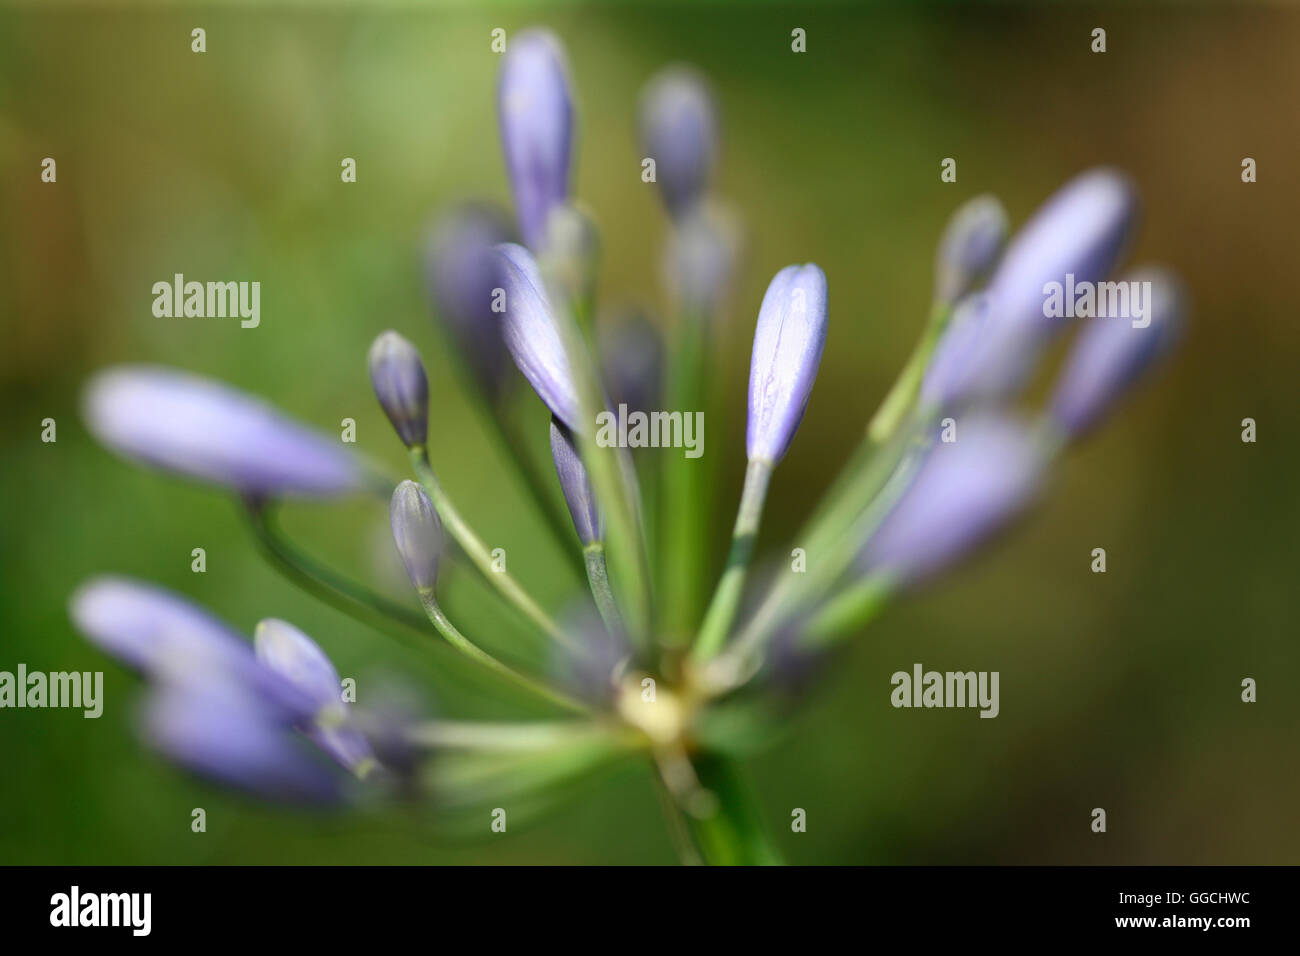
pixel 337 590
pixel 598 578
pixel 729 830
pixel 898 402
pixel 471 650
pixel 478 553
pixel 849 611
pixel 726 599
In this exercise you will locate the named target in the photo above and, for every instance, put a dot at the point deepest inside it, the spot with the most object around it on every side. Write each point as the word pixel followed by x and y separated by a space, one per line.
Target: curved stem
pixel 726 599
pixel 598 578
pixel 471 650
pixel 478 552
pixel 339 591
pixel 727 825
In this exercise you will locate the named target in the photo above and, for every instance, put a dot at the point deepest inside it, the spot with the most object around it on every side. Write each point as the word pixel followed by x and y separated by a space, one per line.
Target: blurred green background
pixel 1118 691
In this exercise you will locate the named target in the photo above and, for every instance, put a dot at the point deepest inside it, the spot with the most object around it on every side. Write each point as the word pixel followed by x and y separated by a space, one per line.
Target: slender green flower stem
pixel 898 402
pixel 598 578
pixel 678 828
pixel 503 737
pixel 339 591
pixel 726 599
pixel 478 552
pixel 471 650
pixel 849 611
pixel 728 828
pixel 683 507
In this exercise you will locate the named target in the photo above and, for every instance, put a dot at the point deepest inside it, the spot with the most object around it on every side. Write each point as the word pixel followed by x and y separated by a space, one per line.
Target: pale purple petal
pixel 417 533
pixel 397 376
pixel 575 484
pixel 679 131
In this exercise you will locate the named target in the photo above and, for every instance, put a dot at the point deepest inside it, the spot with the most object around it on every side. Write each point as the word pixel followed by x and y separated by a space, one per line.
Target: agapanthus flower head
pixel 417 532
pixel 1113 351
pixel 678 125
pixel 463 271
pixel 575 484
pixel 788 342
pixel 536 117
pixel 969 247
pixel 632 358
pixel 701 259
pixel 207 430
pixel 532 336
pixel 221 729
pixel 398 377
pixel 288 652
pixel 963 491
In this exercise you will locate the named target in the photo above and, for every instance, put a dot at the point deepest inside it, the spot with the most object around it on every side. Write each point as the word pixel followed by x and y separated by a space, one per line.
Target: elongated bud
pixel 969 248
pixel 1113 351
pixel 290 653
pixel 575 484
pixel 701 258
pixel 463 272
pixel 207 430
pixel 417 532
pixel 532 336
pixel 572 250
pixel 397 375
pixel 788 344
pixel 953 361
pixel 679 132
pixel 536 117
pixel 963 491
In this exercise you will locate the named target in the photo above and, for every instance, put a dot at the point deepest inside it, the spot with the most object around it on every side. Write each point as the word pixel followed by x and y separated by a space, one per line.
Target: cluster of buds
pixel 647 667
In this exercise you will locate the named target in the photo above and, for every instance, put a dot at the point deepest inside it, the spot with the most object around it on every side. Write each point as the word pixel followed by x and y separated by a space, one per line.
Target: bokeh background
pixel 1118 691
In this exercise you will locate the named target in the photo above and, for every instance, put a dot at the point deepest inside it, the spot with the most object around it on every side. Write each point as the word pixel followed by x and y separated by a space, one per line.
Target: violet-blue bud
pixel 575 485
pixel 632 357
pixel 291 654
pixel 532 335
pixel 536 119
pixel 788 342
pixel 463 271
pixel 969 248
pixel 206 430
pixel 679 132
pixel 417 532
pixel 1112 352
pixel 962 492
pixel 397 375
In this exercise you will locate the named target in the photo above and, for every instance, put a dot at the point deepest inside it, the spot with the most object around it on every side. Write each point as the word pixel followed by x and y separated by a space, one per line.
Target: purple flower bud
pixel 962 492
pixel 952 363
pixel 152 630
pixel 575 485
pixel 1077 236
pixel 788 343
pixel 220 729
pixel 632 355
pixel 206 430
pixel 397 375
pixel 1113 351
pixel 536 115
pixel 288 652
pixel 532 336
pixel 970 247
pixel 417 532
pixel 172 640
pixel 463 271
pixel 679 131
pixel 701 259
pixel 1082 231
